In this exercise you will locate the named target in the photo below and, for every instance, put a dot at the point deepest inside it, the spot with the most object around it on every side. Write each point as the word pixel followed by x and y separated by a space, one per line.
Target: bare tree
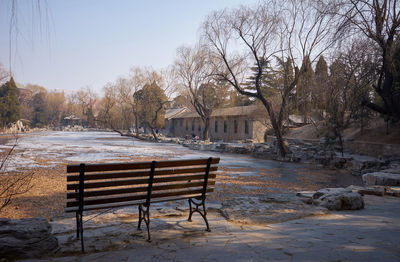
pixel 124 101
pixel 4 75
pixel 195 73
pixel 15 183
pixel 351 75
pixel 86 99
pixel 55 107
pixel 107 107
pixel 380 22
pixel 136 82
pixel 39 14
pixel 153 99
pixel 297 30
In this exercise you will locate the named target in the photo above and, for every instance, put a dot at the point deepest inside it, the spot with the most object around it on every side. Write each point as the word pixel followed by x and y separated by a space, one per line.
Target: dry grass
pixel 46 197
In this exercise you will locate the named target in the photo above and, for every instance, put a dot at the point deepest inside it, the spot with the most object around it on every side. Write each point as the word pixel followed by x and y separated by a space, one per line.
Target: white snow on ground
pixel 60 147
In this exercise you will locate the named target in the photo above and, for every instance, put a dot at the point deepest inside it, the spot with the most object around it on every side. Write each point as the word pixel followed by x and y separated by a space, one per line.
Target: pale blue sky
pixel 92 42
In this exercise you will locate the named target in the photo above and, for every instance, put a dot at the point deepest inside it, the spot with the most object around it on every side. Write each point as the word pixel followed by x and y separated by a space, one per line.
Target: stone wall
pixel 305 151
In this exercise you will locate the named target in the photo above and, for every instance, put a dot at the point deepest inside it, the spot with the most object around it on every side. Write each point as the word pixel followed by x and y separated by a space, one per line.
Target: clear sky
pixel 92 42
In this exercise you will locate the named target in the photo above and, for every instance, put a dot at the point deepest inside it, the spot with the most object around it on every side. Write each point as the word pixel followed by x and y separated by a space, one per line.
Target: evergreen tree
pixel 89 116
pixel 303 90
pixel 267 80
pixel 152 104
pixel 285 76
pixel 320 84
pixel 39 110
pixel 10 110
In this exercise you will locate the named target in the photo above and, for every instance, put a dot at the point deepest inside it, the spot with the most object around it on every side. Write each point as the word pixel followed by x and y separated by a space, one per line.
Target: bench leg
pixel 77 225
pixel 144 214
pixel 203 212
pixel 79 229
pixel 140 216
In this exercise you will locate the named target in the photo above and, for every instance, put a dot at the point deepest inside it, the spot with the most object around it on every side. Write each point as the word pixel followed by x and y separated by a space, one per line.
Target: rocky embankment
pixel 314 152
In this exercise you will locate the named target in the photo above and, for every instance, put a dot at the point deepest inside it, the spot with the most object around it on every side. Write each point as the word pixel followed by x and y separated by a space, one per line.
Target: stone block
pixel 26 238
pixel 381 178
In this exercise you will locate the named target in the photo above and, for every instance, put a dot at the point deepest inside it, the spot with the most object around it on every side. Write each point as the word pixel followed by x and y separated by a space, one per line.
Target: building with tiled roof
pixel 227 124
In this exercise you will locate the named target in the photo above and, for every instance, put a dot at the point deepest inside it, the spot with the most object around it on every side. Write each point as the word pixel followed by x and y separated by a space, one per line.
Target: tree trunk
pixel 277 129
pixel 206 130
pixel 362 121
pixel 339 135
pixel 279 138
pixel 154 134
pixel 136 126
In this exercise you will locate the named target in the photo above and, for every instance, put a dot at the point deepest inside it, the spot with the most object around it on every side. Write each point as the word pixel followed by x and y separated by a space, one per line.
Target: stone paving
pixel 371 234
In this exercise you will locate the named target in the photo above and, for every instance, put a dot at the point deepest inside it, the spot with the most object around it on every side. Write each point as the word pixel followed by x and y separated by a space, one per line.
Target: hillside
pixel 376 132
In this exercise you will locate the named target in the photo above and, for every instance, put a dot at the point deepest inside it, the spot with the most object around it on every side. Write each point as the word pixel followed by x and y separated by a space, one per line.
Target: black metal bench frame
pixel 196 204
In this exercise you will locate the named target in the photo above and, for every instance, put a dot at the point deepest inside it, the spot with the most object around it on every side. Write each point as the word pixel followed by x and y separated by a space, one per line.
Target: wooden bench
pixel 106 186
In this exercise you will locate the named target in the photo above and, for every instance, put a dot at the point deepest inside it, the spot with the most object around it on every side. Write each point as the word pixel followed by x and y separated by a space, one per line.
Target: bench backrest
pixel 97 186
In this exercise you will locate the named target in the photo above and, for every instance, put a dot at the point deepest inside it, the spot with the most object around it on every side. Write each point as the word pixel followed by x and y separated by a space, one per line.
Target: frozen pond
pixel 48 149
pixel 79 147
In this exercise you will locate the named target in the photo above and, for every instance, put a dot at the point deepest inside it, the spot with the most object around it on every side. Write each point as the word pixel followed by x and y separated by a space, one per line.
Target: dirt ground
pixel 47 197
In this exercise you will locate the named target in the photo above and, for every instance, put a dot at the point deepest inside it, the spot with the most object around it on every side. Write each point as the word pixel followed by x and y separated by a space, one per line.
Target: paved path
pixel 372 234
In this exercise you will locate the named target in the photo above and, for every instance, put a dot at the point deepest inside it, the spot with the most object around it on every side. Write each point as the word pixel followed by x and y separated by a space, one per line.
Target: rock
pixel 343 201
pixel 381 178
pixel 391 170
pixel 338 199
pixel 393 191
pixel 330 191
pixel 238 149
pixel 367 165
pixel 374 190
pixel 306 196
pixel 26 238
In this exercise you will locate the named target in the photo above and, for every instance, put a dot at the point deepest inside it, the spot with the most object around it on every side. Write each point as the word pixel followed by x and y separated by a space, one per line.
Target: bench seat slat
pixel 137 197
pixel 109 192
pixel 138 181
pixel 141 173
pixel 129 204
pixel 139 165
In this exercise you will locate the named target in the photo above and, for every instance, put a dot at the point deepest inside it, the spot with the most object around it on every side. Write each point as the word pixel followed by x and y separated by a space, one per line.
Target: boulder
pixel 381 178
pixel 26 238
pixel 344 201
pixel 330 191
pixel 338 199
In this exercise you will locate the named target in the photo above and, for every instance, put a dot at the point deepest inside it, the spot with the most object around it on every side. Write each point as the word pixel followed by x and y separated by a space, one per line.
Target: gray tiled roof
pixel 230 111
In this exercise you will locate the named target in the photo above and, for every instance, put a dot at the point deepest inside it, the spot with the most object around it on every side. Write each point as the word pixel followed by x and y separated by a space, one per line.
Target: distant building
pixel 72 120
pixel 227 124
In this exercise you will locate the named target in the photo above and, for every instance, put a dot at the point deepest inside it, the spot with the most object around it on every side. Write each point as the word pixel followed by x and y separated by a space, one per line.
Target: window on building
pixel 235 126
pixel 187 127
pixel 246 127
pixel 181 122
pixel 225 127
pixel 199 128
pixel 193 125
pixel 216 126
